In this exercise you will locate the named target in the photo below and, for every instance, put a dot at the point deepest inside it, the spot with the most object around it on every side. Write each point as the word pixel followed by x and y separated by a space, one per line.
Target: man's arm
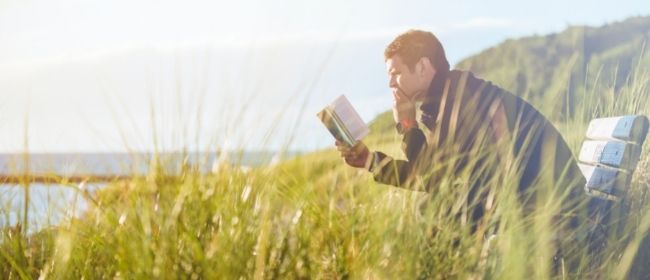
pixel 399 173
pixel 384 168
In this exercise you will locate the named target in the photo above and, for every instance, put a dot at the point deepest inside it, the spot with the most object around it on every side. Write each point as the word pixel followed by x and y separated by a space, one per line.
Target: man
pixel 467 128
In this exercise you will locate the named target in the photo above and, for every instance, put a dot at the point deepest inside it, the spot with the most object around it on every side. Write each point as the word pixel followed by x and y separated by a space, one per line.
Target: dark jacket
pixel 474 127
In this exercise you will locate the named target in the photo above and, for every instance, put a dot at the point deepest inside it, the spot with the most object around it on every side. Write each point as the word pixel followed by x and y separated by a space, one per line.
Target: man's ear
pixel 424 66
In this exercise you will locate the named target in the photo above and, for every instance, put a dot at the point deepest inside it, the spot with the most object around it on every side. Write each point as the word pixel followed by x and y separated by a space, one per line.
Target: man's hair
pixel 414 44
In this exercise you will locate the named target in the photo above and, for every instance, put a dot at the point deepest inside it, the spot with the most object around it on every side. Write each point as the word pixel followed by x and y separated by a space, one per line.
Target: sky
pixel 103 76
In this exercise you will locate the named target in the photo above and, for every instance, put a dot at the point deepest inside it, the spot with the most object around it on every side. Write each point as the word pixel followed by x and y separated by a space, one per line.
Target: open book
pixel 343 122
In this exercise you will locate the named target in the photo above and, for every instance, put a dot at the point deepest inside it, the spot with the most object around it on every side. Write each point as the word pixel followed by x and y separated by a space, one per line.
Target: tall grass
pixel 314 217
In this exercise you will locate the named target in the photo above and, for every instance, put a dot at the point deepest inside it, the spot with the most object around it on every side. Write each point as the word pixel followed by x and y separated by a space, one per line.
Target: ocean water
pixel 49 204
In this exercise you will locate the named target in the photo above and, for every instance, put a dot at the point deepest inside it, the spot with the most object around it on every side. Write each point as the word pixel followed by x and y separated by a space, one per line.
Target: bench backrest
pixel 611 153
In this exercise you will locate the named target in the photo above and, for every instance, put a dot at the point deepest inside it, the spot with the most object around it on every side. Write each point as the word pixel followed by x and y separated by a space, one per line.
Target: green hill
pixel 577 59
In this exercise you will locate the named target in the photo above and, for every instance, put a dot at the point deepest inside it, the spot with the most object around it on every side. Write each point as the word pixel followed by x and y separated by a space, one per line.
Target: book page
pixel 350 118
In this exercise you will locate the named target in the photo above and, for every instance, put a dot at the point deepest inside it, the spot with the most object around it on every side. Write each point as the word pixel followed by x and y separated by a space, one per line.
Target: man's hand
pixel 403 107
pixel 357 156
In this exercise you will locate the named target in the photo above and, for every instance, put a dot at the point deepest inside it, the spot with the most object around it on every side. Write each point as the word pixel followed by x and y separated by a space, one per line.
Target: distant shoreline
pixel 128 164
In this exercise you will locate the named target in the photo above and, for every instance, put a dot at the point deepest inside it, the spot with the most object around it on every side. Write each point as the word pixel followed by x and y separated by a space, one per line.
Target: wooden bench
pixel 611 153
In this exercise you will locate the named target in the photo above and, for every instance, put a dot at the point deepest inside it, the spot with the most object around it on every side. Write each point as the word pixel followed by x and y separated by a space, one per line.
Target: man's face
pixel 402 79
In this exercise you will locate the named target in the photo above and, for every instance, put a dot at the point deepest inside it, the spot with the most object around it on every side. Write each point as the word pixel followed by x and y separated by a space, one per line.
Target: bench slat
pixel 612 153
pixel 631 128
pixel 602 180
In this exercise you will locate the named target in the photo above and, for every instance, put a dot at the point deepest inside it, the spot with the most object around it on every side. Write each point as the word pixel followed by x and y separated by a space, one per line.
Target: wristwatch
pixel 405 125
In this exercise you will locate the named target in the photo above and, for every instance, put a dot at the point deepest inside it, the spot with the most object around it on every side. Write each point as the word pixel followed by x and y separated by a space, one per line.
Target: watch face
pixel 401 129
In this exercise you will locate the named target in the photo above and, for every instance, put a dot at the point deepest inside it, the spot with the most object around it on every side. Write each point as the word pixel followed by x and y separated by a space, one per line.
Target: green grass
pixel 314 217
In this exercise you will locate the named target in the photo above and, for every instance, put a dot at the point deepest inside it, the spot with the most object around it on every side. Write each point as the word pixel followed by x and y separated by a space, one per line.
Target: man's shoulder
pixel 487 91
pixel 475 84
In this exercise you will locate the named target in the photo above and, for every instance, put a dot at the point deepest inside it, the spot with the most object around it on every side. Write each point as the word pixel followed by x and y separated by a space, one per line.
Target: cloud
pixel 484 23
pixel 239 40
pixel 442 29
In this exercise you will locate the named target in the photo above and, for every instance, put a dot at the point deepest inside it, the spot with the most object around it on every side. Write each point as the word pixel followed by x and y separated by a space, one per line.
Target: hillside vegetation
pixel 553 70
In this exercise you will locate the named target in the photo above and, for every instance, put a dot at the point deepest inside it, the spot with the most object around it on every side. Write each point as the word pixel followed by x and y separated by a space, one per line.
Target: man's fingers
pixel 348 154
pixel 343 148
pixel 351 154
pixel 400 96
pixel 405 106
pixel 358 148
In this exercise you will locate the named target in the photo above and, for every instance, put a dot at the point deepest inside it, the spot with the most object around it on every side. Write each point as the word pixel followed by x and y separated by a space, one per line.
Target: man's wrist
pixel 405 125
